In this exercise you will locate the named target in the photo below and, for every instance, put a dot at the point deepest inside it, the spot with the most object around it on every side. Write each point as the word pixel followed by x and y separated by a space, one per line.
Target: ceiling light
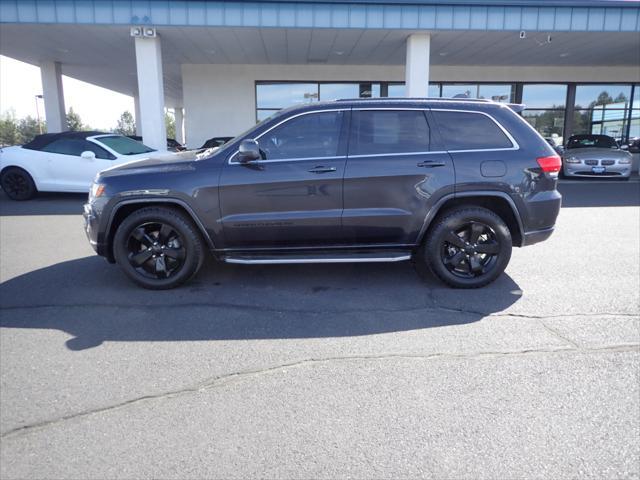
pixel 136 31
pixel 443 54
pixel 339 52
pixel 565 54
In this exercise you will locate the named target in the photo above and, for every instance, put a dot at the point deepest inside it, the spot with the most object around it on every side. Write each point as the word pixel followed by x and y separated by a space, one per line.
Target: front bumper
pixel 91 224
pixel 589 171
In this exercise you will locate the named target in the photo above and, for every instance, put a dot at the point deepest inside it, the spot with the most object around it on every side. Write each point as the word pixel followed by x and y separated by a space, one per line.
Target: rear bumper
pixel 536 236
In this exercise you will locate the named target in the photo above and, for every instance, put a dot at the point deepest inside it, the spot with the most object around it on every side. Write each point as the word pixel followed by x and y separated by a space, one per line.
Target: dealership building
pixel 222 66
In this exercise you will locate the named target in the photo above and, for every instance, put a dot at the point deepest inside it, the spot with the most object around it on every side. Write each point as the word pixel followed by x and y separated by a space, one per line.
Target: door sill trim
pixel 285 260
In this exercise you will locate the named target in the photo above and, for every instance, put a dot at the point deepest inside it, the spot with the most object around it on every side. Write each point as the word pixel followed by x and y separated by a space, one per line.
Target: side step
pixel 246 258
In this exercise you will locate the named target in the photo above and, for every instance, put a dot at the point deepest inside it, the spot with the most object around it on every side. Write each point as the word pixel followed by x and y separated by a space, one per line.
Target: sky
pixel 20 83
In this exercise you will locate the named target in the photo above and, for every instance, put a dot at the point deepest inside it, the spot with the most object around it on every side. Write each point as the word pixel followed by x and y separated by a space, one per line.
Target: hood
pixel 158 162
pixel 595 153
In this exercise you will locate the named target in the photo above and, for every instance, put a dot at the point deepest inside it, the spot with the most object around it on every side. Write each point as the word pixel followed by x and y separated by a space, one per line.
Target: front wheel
pixel 469 247
pixel 158 248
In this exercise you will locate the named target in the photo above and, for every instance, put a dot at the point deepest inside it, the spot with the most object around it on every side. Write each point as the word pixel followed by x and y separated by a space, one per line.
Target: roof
pixel 41 141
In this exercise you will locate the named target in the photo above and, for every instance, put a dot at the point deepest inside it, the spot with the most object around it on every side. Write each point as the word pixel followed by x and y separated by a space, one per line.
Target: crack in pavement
pixel 263 308
pixel 224 379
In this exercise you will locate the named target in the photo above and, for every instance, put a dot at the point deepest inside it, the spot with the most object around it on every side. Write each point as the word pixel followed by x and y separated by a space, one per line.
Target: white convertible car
pixel 64 162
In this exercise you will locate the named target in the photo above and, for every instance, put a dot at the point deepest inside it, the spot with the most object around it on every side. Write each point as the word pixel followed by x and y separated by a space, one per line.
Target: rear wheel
pixel 18 184
pixel 158 248
pixel 469 247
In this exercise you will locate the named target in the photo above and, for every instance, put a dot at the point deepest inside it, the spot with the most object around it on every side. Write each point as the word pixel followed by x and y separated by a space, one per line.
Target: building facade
pixel 222 66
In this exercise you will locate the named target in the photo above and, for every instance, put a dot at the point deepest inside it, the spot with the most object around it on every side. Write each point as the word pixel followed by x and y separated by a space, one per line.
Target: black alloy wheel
pixel 156 250
pixel 18 184
pixel 468 247
pixel 158 247
pixel 470 251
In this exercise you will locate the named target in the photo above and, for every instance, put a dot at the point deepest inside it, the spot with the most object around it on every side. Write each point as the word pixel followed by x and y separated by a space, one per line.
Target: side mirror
pixel 88 155
pixel 248 151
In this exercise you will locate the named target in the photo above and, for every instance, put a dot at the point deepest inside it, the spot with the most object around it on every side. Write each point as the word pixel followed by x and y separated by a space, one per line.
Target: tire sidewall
pixel 190 241
pixel 455 220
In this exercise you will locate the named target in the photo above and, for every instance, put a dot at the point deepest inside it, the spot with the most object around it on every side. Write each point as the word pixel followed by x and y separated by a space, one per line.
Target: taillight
pixel 550 164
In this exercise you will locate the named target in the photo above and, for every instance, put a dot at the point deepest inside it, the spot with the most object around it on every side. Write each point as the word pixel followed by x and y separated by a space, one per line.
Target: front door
pixel 396 171
pixel 292 197
pixel 67 170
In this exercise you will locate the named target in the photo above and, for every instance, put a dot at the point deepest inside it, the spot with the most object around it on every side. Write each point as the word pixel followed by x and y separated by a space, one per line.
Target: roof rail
pixel 413 99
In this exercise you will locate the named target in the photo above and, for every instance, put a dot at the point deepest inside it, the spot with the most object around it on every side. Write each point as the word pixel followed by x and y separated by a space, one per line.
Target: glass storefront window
pixel 335 91
pixel 588 96
pixel 281 95
pixel 469 90
pixel 396 90
pixel 548 123
pixel 498 93
pixel 544 96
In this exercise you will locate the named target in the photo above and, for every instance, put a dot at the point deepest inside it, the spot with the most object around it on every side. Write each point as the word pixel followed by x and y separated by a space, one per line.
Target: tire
pixel 467 247
pixel 158 248
pixel 18 184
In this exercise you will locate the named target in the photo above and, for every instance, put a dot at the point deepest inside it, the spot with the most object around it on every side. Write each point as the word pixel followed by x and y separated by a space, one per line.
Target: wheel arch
pixel 498 202
pixel 21 167
pixel 126 207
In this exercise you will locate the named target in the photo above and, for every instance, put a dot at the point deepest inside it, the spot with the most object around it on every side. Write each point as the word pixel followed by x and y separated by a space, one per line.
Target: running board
pixel 315 258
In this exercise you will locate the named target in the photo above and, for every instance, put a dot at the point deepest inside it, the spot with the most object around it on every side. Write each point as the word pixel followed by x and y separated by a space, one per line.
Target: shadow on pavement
pixel 44 204
pixel 95 303
pixel 588 194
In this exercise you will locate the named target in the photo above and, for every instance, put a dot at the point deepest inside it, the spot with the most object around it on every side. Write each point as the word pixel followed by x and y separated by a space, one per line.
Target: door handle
pixel 431 163
pixel 321 169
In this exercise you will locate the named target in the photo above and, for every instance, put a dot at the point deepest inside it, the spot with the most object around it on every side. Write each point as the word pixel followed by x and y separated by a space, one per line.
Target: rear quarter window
pixel 470 131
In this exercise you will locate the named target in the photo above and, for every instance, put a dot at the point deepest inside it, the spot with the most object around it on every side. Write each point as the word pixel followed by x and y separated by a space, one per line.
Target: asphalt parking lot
pixel 361 371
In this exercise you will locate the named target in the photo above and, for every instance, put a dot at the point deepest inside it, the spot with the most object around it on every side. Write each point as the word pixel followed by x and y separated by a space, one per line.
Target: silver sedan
pixel 595 156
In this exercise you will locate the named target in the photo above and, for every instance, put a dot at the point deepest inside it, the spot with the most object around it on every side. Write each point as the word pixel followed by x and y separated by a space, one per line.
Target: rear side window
pixel 388 131
pixel 470 131
pixel 75 147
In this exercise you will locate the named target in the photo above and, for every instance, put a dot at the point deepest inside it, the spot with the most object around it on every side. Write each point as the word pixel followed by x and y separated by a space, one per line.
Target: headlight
pixel 624 161
pixel 97 189
pixel 572 160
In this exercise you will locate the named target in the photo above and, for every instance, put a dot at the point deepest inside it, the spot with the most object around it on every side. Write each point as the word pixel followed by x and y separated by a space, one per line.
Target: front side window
pixel 311 135
pixel 389 131
pixel 470 131
pixel 124 145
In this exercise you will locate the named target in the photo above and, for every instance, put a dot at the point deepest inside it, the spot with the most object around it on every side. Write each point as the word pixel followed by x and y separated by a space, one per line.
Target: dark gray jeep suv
pixel 453 184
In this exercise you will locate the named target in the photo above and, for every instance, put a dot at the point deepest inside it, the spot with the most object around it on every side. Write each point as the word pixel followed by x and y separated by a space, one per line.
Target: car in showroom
pixel 453 184
pixel 590 156
pixel 64 162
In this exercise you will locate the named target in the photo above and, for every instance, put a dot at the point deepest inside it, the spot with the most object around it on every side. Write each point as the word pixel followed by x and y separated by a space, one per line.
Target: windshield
pixel 591 141
pixel 124 145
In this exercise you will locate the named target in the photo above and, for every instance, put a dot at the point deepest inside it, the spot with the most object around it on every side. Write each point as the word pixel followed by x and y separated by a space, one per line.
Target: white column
pixel 136 113
pixel 151 92
pixel 179 117
pixel 53 95
pixel 417 65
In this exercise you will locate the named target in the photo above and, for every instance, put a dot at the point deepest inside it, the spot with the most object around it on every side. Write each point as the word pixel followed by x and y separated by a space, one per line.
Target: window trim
pixel 235 154
pixel 514 144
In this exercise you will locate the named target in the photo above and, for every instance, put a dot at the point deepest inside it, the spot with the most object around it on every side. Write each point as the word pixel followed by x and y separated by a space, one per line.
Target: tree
pixel 170 124
pixel 74 122
pixel 9 128
pixel 28 128
pixel 126 124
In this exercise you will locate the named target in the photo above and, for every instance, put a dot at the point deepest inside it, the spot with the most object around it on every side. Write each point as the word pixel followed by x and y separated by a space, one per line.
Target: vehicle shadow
pixel 43 204
pixel 585 194
pixel 94 303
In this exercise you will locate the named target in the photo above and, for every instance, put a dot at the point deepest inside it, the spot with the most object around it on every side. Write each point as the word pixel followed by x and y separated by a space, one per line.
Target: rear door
pixel 396 171
pixel 292 197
